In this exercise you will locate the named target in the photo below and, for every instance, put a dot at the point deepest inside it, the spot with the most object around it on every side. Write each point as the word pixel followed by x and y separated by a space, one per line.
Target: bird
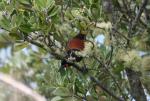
pixel 76 49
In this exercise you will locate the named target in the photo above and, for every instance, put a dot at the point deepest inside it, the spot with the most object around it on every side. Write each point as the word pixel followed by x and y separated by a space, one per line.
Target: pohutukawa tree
pixel 55 44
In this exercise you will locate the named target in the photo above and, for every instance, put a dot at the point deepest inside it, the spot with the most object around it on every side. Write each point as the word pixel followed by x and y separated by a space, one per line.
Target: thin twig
pixel 125 5
pixel 143 5
pixel 111 51
pixel 62 13
pixel 105 89
pixel 121 34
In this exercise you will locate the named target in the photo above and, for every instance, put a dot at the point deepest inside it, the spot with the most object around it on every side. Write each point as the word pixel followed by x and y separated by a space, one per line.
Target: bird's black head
pixel 81 36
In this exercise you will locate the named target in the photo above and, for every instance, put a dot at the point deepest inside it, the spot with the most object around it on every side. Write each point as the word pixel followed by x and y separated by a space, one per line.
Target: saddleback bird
pixel 76 49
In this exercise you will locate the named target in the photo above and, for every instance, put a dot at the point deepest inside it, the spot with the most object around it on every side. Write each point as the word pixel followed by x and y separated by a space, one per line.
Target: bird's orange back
pixel 75 44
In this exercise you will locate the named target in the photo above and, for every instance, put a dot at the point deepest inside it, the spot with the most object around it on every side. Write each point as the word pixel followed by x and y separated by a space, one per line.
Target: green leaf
pixel 57 98
pixel 83 24
pixel 5 23
pixel 53 11
pixel 79 86
pixel 15 36
pixel 50 3
pixel 71 99
pixel 26 2
pixel 60 91
pixel 103 50
pixel 16 20
pixel 26 28
pixel 118 69
pixel 5 40
pixel 59 37
pixel 138 2
pixel 2 6
pixel 95 11
pixel 58 2
pixel 19 19
pixel 40 5
pixel 69 15
pixel 75 3
pixel 20 46
pixel 32 20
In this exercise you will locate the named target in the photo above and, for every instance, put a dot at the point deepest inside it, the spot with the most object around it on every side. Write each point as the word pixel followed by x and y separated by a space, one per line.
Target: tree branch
pixel 115 81
pixel 60 57
pixel 143 5
pixel 136 87
pixel 21 87
pixel 105 89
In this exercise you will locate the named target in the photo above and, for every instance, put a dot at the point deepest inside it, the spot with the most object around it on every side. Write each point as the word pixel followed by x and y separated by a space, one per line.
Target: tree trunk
pixel 136 88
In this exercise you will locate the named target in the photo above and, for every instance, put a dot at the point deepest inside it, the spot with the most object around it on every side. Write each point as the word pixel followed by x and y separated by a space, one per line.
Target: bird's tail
pixel 63 67
pixel 64 64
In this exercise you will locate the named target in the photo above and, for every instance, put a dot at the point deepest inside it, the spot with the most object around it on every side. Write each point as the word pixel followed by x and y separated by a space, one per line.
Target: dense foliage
pixel 36 31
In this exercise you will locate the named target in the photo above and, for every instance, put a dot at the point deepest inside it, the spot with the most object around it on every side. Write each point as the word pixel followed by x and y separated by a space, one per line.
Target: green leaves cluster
pixel 28 16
